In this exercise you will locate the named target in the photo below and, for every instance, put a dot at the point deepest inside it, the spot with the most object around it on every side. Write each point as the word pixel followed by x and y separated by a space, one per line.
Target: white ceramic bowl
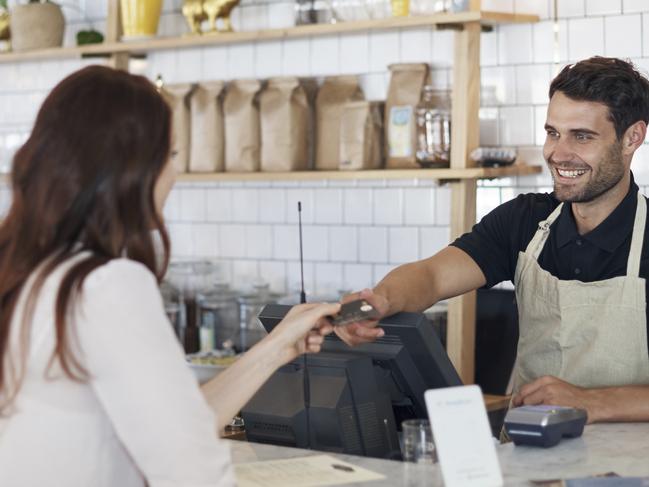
pixel 205 372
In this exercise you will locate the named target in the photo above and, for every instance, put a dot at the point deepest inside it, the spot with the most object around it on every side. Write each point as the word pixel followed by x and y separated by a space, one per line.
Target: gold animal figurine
pixel 219 9
pixel 4 25
pixel 194 13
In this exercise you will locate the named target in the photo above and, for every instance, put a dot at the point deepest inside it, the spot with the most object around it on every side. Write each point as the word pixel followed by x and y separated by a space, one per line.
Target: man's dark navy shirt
pixel 602 253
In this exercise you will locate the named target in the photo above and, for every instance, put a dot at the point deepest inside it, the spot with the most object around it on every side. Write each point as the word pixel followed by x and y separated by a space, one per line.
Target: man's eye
pixel 552 134
pixel 582 137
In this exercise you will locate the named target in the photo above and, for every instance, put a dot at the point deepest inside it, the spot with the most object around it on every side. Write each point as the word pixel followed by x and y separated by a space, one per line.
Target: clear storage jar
pixel 219 318
pixel 191 278
pixel 433 115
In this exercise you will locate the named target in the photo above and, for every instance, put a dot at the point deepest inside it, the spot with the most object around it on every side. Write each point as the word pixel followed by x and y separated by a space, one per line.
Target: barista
pixel 576 256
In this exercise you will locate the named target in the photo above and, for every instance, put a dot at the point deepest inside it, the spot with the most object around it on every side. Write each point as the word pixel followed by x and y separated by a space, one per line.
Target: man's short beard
pixel 610 171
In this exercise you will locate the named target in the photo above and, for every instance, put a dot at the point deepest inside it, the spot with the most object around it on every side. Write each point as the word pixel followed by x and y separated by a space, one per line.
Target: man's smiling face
pixel 581 149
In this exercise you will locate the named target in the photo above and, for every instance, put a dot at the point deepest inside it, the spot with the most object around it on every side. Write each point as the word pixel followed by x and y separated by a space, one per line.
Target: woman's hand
pixel 303 330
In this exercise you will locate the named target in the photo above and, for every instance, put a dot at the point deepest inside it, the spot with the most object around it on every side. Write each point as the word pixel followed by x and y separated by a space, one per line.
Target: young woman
pixel 94 389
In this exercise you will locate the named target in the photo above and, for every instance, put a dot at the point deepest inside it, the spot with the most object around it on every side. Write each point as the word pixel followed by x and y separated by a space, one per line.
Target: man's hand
pixel 363 331
pixel 550 390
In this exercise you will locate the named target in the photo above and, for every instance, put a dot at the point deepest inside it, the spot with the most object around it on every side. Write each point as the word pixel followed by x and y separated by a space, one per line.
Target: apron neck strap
pixel 633 264
pixel 538 241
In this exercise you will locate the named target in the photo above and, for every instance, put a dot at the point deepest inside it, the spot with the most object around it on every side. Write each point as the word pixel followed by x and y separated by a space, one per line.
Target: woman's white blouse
pixel 141 417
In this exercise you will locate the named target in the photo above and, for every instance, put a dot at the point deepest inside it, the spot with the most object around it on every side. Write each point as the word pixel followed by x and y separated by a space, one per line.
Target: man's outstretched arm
pixel 415 287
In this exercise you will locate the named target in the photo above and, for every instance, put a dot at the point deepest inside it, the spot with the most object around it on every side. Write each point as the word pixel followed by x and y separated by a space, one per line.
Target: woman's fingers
pixel 300 308
pixel 313 349
pixel 324 327
pixel 314 339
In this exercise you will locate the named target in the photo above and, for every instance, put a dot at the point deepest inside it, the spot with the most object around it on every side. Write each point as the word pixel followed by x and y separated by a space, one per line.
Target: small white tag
pixel 400 131
pixel 463 440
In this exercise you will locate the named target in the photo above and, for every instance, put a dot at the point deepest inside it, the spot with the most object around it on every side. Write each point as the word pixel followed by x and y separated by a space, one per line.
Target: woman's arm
pixel 301 331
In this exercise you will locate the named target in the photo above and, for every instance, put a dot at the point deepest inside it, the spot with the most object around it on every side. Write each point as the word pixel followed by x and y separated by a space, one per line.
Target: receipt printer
pixel 544 425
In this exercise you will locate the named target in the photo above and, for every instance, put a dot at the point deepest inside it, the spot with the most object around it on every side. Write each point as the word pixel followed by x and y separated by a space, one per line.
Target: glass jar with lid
pixel 219 317
pixel 433 114
pixel 171 301
pixel 251 330
pixel 191 278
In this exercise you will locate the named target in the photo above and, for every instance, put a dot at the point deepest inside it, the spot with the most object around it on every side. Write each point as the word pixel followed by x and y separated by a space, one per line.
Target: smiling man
pixel 578 257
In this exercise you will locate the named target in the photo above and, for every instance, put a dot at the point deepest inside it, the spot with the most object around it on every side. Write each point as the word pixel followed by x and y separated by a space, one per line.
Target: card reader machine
pixel 544 425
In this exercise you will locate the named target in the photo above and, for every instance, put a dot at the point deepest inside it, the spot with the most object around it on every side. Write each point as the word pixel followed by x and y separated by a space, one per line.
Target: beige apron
pixel 590 334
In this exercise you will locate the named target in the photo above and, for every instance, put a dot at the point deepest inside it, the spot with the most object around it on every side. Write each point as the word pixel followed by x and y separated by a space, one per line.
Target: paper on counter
pixel 463 439
pixel 301 472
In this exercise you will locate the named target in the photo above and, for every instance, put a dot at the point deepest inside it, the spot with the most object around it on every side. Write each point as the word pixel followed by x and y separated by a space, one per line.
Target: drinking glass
pixel 418 444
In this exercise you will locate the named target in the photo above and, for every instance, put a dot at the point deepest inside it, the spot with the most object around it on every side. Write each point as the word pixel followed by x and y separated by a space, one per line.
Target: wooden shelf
pixel 442 20
pixel 443 174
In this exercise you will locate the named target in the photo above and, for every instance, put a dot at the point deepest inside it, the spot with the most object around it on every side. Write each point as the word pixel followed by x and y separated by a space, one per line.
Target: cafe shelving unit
pixel 461 176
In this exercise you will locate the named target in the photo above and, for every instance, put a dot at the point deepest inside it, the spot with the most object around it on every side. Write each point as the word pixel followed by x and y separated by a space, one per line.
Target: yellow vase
pixel 400 8
pixel 140 18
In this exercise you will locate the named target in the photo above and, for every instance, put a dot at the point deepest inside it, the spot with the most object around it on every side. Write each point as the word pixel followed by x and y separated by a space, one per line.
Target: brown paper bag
pixel 361 135
pixel 207 140
pixel 333 94
pixel 406 83
pixel 242 134
pixel 286 125
pixel 177 96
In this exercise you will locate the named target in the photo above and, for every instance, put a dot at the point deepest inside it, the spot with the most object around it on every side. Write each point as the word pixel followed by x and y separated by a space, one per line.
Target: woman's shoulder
pixel 122 272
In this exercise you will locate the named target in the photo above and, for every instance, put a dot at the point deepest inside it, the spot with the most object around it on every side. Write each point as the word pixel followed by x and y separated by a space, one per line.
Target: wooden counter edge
pixel 495 403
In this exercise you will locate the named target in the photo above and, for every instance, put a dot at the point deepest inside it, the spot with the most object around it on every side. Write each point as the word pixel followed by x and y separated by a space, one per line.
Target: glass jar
pixel 190 278
pixel 219 318
pixel 171 302
pixel 251 330
pixel 433 114
pixel 304 12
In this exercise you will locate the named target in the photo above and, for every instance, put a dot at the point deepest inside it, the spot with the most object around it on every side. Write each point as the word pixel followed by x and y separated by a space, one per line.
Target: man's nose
pixel 562 150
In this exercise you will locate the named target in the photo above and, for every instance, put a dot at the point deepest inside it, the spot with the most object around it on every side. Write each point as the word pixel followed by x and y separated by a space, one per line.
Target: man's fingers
pixel 366 332
pixel 350 297
pixel 533 386
pixel 537 397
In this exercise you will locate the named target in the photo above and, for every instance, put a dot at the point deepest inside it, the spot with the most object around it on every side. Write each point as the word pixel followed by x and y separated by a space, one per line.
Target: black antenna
pixel 299 217
pixel 305 371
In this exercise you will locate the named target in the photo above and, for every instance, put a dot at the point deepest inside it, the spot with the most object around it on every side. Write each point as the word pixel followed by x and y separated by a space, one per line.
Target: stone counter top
pixel 621 448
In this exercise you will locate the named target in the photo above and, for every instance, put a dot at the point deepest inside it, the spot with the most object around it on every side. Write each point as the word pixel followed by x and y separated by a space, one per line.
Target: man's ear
pixel 634 137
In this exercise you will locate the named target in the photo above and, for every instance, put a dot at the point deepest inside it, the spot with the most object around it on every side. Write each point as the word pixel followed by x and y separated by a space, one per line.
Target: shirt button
pixel 578 241
pixel 577 270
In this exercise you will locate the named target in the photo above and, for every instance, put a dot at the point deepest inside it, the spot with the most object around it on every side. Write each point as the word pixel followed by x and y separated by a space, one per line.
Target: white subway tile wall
pixel 603 7
pixel 623 35
pixel 586 37
pixel 570 8
pixel 354 232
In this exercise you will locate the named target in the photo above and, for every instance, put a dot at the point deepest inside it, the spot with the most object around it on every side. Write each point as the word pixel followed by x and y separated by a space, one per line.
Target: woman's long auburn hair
pixel 83 182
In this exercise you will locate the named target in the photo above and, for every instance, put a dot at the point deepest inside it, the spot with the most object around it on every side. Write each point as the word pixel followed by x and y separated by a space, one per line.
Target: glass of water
pixel 418 444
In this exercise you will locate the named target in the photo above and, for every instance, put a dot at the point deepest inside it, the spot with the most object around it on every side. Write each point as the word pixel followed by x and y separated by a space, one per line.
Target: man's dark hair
pixel 610 81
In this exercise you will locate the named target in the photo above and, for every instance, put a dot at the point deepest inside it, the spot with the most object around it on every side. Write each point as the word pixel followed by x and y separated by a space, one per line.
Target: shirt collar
pixel 609 234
